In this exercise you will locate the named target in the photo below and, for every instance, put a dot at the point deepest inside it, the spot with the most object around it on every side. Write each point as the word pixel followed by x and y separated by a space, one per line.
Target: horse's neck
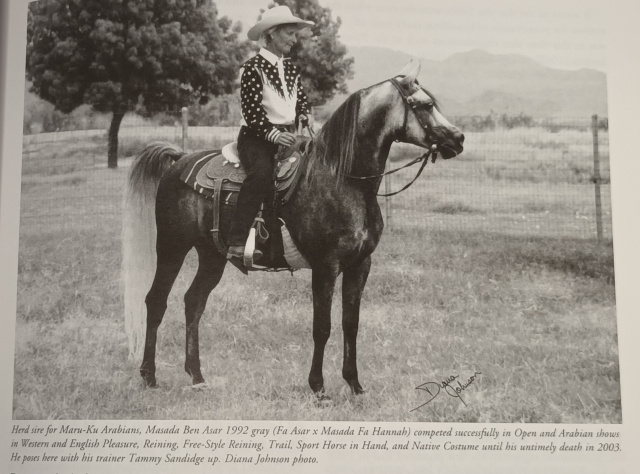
pixel 370 156
pixel 375 137
pixel 377 128
pixel 370 118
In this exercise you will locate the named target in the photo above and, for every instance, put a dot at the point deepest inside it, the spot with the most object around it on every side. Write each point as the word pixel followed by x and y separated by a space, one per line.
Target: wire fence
pixel 540 180
pixel 533 179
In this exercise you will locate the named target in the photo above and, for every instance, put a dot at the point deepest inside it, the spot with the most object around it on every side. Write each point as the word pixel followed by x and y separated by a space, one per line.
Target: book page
pixel 498 322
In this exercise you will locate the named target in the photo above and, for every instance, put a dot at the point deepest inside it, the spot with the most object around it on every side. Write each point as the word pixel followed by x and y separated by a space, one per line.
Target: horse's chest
pixel 362 240
pixel 346 225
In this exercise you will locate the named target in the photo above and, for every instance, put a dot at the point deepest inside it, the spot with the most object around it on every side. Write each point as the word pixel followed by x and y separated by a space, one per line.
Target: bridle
pixel 413 104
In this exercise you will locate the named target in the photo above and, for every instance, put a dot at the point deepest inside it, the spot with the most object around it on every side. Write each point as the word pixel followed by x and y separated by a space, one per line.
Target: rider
pixel 272 100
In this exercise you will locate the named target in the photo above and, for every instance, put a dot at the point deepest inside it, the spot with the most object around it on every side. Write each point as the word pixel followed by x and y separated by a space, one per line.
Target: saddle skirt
pixel 222 167
pixel 218 175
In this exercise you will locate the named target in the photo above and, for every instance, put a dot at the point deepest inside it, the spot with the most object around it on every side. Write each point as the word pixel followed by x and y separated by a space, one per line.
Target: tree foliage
pixel 321 56
pixel 146 56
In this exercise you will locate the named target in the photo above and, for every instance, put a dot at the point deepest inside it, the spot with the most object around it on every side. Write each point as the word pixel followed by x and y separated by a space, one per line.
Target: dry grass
pixel 535 315
pixel 527 182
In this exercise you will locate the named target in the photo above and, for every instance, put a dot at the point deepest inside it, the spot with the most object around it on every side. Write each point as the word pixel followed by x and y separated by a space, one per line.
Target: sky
pixel 563 34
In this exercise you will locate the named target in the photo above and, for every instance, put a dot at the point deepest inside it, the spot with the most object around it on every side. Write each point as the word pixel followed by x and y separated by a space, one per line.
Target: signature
pixel 451 385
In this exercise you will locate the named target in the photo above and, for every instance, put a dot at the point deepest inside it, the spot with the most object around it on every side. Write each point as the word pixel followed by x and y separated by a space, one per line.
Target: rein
pixel 410 102
pixel 424 158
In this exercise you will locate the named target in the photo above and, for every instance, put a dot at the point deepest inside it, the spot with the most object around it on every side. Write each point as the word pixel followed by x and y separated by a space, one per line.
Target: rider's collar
pixel 269 56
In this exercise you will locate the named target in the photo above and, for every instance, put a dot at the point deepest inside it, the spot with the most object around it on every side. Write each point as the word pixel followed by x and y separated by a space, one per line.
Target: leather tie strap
pixel 215 231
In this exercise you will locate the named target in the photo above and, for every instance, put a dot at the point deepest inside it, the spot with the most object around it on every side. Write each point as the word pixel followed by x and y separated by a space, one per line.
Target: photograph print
pixel 316 210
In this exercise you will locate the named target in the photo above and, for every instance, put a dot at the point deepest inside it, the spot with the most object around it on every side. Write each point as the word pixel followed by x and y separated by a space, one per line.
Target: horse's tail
pixel 139 236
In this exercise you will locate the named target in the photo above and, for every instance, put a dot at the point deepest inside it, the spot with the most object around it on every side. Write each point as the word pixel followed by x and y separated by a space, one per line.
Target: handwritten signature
pixel 451 386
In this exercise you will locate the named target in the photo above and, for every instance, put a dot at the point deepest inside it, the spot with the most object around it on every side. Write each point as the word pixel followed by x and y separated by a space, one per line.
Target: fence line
pixel 534 181
pixel 596 176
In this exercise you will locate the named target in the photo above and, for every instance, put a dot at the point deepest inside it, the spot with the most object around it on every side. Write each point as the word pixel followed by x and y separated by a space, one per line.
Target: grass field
pixel 533 312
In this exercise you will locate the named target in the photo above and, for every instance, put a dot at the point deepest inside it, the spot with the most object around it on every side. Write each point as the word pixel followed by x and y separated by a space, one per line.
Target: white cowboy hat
pixel 280 15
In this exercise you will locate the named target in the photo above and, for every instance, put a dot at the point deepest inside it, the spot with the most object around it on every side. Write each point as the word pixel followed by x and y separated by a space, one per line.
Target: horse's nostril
pixel 461 138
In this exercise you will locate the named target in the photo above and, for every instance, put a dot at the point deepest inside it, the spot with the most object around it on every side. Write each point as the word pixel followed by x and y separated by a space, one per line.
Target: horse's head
pixel 417 117
pixel 368 122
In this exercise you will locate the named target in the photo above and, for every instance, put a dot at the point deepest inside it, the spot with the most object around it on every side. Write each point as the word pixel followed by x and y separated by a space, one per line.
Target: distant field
pixel 525 181
pixel 521 182
pixel 464 282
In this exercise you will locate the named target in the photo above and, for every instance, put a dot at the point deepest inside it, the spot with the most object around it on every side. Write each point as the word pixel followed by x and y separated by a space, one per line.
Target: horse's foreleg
pixel 156 300
pixel 323 282
pixel 353 282
pixel 210 269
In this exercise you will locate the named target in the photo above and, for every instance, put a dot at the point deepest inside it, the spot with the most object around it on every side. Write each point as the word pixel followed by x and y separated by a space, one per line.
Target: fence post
pixel 185 127
pixel 387 199
pixel 596 176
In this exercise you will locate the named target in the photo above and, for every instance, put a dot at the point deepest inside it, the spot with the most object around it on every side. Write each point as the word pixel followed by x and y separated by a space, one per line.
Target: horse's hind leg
pixel 170 259
pixel 210 269
pixel 353 282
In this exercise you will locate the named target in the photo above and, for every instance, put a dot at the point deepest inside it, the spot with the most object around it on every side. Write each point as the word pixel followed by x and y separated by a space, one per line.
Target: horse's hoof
pixel 198 387
pixel 356 388
pixel 322 399
pixel 150 382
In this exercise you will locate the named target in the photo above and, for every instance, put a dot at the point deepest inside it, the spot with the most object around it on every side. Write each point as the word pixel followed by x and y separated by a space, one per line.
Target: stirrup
pixel 239 256
pixel 250 249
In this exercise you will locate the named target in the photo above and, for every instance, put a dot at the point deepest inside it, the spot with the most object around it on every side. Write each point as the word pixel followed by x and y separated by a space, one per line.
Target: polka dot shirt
pixel 270 95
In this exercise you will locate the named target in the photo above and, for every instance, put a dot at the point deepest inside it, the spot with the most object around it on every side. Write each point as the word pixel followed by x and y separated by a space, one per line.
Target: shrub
pixel 517 121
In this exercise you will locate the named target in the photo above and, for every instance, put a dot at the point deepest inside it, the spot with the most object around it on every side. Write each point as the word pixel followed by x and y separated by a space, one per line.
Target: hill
pixel 470 83
pixel 479 83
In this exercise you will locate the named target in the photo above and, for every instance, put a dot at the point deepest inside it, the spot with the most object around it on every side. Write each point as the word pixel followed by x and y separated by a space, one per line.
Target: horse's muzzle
pixel 452 146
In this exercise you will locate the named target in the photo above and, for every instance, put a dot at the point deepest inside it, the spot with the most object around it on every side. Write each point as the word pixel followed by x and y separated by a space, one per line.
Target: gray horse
pixel 334 219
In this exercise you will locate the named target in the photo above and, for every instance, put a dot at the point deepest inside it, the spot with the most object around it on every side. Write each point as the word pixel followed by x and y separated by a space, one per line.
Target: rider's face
pixel 283 39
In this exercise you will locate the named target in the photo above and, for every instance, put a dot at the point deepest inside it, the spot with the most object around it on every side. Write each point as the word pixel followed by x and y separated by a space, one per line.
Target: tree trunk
pixel 112 156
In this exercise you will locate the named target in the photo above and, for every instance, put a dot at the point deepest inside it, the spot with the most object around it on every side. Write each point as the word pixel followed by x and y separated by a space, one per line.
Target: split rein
pixel 433 152
pixel 424 158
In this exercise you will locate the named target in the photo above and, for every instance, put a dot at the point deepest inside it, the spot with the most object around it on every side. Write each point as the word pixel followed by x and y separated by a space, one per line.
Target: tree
pixel 146 56
pixel 321 56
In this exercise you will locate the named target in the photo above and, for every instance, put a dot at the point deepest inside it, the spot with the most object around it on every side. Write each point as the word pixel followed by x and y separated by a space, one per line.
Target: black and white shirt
pixel 266 103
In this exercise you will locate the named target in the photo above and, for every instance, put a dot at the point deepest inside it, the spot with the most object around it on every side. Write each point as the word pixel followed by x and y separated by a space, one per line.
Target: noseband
pixel 412 103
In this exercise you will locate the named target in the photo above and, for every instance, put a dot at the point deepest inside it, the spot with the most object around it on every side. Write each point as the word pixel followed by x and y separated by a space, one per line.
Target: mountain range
pixel 480 83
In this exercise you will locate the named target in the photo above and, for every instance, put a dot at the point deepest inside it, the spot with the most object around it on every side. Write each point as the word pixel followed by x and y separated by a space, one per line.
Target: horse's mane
pixel 336 142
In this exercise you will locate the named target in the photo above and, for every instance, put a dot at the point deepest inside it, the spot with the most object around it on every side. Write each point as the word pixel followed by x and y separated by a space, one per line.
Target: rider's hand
pixel 286 139
pixel 305 120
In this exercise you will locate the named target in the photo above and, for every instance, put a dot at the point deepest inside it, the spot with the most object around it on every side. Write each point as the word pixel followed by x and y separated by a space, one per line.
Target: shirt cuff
pixel 273 135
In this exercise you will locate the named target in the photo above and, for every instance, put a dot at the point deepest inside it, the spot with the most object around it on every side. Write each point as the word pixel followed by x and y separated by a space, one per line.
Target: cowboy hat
pixel 280 15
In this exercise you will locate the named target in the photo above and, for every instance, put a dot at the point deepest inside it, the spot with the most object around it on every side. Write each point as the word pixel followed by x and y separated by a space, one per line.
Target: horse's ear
pixel 410 72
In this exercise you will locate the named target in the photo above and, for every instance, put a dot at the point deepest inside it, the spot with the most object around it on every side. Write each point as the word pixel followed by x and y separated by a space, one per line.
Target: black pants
pixel 257 158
